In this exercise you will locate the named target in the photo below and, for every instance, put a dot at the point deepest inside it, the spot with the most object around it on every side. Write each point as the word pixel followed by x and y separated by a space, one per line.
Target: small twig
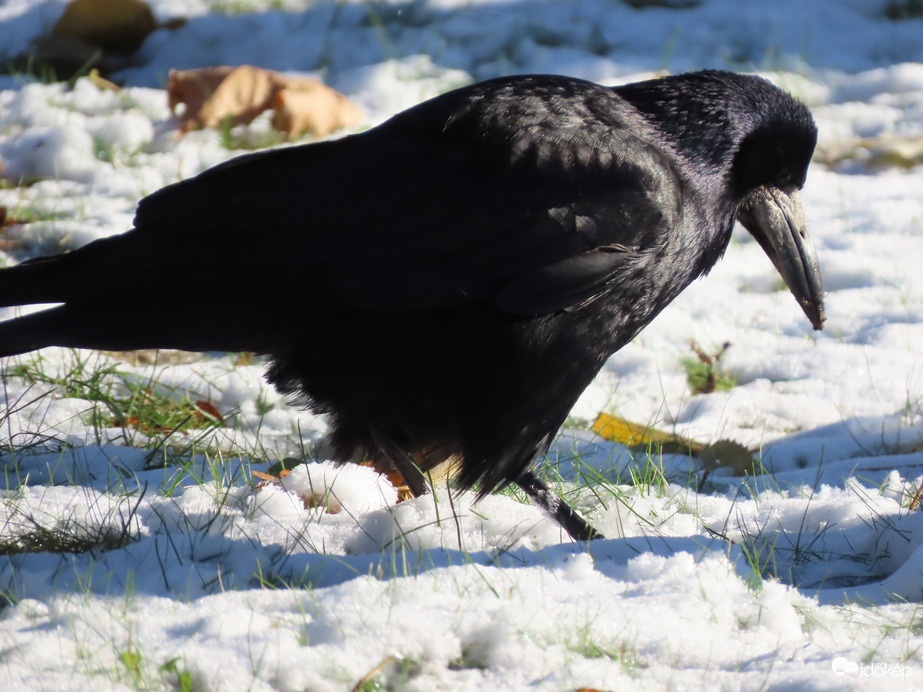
pixel 368 677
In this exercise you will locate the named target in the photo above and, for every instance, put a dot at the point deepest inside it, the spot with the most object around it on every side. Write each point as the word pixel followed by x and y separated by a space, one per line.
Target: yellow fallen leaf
pixel 630 434
pixel 720 454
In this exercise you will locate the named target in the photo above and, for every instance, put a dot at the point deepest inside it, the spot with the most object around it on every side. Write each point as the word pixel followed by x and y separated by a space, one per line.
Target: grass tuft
pixel 126 403
pixel 703 372
pixel 23 532
pixel 177 678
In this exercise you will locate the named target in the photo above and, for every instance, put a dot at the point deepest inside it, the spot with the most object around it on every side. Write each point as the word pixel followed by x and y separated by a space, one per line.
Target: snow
pixel 809 576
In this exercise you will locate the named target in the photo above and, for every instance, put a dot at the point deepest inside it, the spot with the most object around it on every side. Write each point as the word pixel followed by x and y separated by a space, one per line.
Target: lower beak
pixel 776 219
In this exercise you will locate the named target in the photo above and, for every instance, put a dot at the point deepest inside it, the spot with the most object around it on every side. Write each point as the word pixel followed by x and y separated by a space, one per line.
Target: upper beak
pixel 776 219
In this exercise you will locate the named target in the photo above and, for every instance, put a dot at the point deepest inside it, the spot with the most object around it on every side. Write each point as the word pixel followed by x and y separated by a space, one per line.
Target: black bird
pixel 446 284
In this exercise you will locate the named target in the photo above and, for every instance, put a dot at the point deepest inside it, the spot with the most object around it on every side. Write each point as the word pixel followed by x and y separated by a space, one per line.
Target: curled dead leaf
pixel 264 477
pixel 216 96
pixel 306 105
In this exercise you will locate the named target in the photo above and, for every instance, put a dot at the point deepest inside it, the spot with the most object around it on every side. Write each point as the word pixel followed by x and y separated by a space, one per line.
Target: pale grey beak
pixel 776 219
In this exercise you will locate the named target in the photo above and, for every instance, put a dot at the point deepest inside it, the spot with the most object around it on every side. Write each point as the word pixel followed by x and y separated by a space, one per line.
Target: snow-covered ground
pixel 228 586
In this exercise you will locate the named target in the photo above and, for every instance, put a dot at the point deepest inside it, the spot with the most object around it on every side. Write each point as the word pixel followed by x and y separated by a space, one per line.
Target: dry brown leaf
pixel 394 478
pixel 306 105
pixel 244 358
pixel 209 409
pixel 239 98
pixel 215 96
pixel 194 87
pixel 269 478
pixel 119 26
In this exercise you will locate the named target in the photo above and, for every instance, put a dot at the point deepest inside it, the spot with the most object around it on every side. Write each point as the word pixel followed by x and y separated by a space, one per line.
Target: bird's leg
pixel 556 508
pixel 414 478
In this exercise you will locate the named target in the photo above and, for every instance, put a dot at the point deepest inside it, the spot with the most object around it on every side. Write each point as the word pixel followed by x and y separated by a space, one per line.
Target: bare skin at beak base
pixel 776 219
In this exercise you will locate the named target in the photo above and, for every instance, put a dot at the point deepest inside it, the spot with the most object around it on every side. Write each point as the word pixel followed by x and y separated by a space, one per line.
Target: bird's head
pixel 769 170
